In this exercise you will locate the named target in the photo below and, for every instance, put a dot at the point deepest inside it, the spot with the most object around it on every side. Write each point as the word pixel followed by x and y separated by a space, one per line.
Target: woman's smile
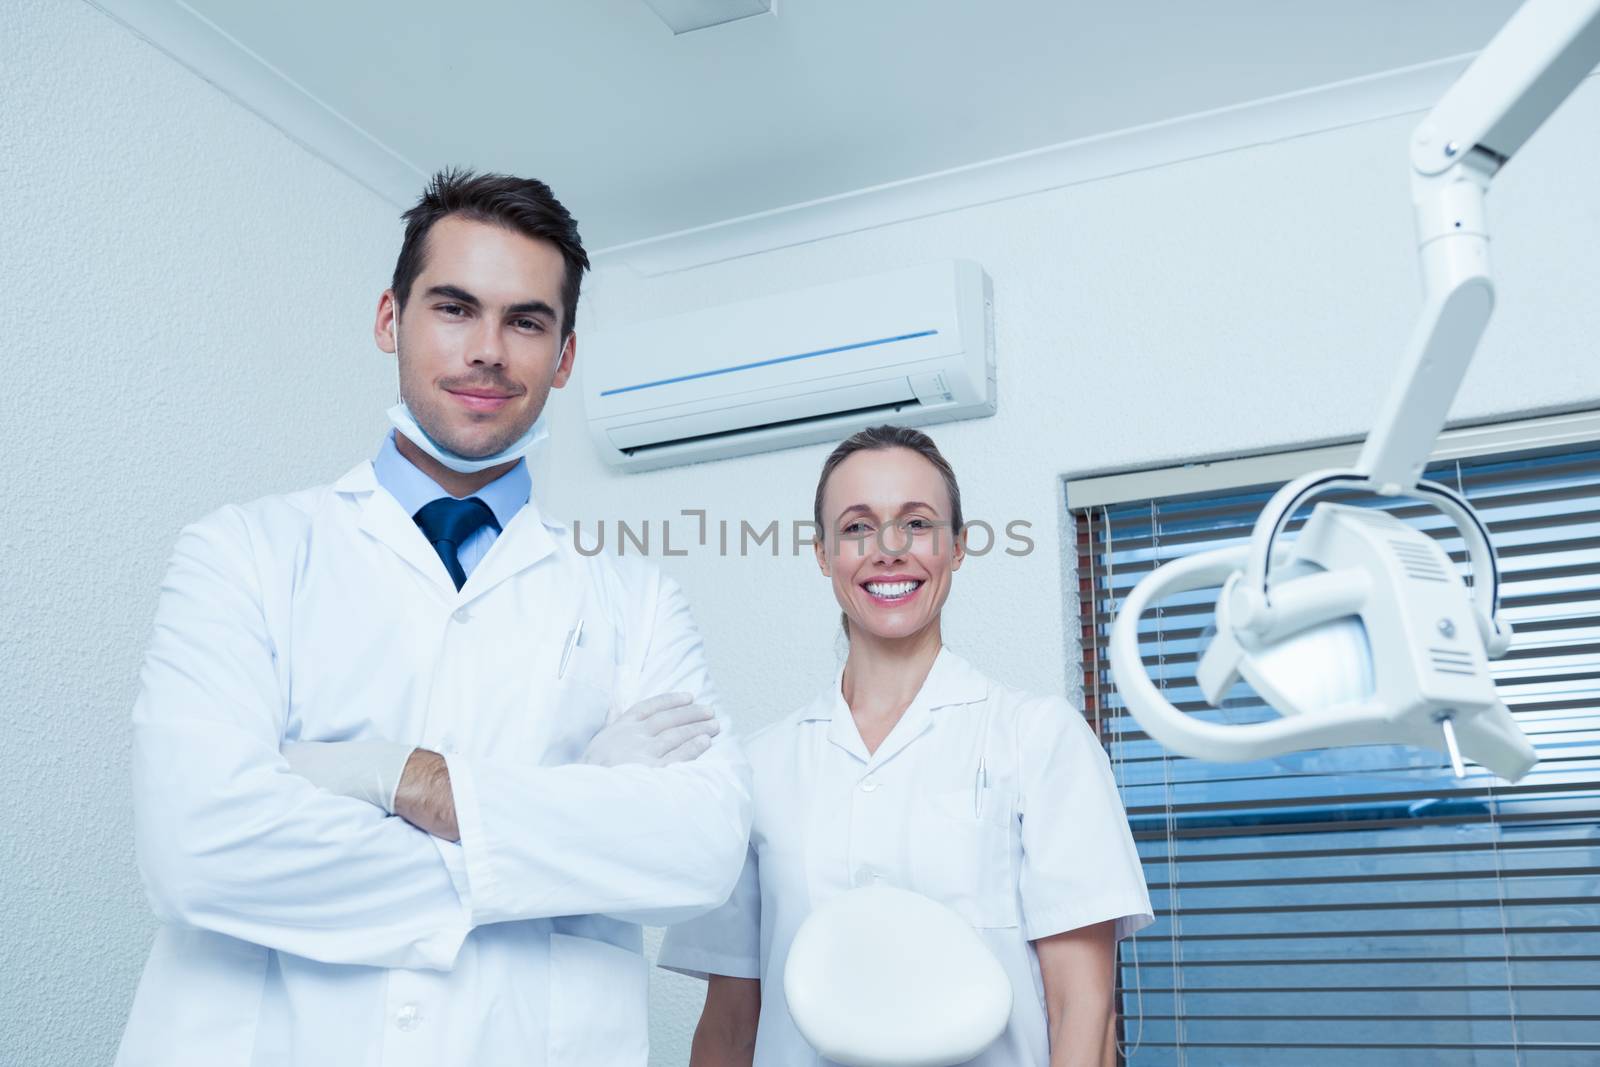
pixel 892 590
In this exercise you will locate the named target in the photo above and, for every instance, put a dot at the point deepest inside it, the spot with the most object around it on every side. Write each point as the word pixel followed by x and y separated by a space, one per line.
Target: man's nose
pixel 488 346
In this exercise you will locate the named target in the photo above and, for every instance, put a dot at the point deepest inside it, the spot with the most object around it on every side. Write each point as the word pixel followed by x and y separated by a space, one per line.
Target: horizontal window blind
pixel 1362 906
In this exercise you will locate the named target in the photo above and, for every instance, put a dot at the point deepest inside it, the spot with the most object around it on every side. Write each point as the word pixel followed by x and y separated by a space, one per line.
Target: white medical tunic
pixel 305 929
pixel 1033 844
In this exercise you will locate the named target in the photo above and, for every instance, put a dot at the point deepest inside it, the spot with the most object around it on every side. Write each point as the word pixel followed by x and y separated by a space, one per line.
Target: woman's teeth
pixel 891 590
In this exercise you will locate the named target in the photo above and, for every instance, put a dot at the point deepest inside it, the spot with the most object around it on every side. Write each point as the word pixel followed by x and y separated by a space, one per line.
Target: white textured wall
pixel 185 296
pixel 1242 302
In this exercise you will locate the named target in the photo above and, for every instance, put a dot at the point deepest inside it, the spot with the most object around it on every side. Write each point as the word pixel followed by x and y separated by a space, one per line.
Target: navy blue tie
pixel 448 522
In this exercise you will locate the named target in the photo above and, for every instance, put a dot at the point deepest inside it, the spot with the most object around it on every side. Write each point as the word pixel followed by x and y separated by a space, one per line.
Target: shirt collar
pixel 951 681
pixel 505 496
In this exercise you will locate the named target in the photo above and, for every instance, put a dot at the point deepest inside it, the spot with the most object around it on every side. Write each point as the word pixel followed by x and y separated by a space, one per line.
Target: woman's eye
pixel 855 527
pixel 919 524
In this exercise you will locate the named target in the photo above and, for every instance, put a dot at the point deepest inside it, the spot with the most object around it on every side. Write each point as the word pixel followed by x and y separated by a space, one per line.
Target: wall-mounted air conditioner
pixel 912 346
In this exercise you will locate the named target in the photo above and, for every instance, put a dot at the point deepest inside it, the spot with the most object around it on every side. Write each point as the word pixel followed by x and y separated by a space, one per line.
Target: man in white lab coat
pixel 409 770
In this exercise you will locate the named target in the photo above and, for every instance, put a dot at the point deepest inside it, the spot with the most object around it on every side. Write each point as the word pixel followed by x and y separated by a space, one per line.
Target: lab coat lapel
pixel 383 519
pixel 525 541
pixel 954 681
pixel 951 681
pixel 842 732
pixel 829 707
pixel 912 725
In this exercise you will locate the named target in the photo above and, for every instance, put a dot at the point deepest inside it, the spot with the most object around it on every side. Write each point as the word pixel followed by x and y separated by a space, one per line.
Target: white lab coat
pixel 305 928
pixel 1042 848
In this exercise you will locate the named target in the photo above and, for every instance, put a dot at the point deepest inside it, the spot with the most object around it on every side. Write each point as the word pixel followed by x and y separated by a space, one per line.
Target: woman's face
pixel 887 543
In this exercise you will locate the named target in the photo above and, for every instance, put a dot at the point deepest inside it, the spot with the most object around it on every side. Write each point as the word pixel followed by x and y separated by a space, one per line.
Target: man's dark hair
pixel 523 205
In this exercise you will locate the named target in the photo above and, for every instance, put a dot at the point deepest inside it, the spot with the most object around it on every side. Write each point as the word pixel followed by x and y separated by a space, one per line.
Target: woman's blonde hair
pixel 880 439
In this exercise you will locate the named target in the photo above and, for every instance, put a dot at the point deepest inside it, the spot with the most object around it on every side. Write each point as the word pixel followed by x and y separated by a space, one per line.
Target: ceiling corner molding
pixel 196 42
pixel 1402 91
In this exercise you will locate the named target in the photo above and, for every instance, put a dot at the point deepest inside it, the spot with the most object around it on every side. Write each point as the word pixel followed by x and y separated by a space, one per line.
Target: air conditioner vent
pixel 911 346
pixel 878 411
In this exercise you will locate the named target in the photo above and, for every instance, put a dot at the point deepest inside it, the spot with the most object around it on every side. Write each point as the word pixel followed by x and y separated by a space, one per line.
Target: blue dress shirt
pixel 412 488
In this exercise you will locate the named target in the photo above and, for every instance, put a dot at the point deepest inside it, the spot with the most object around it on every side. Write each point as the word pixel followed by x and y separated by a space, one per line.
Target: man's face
pixel 480 338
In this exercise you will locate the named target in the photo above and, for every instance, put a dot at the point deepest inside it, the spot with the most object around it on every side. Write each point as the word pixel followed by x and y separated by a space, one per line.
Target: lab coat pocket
pixel 598 1004
pixel 576 712
pixel 962 858
pixel 593 656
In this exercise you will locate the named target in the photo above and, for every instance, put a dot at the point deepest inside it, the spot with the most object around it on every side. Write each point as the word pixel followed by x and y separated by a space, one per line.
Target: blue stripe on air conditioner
pixel 770 362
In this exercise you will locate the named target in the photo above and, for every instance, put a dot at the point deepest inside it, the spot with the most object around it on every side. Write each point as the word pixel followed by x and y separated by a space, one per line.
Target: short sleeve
pixel 725 941
pixel 1079 863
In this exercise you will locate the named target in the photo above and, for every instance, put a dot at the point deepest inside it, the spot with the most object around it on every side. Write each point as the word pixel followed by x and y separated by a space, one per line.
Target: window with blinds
pixel 1362 906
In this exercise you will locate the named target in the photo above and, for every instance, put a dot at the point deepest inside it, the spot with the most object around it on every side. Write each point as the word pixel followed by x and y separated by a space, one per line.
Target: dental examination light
pixel 1361 632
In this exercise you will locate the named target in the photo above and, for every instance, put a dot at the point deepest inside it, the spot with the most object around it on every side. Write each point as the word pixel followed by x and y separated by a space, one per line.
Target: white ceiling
pixel 642 133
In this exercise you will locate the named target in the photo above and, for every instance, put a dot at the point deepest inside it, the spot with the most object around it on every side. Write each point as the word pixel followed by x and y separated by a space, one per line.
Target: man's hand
pixel 424 799
pixel 361 770
pixel 664 729
pixel 414 783
pixel 403 780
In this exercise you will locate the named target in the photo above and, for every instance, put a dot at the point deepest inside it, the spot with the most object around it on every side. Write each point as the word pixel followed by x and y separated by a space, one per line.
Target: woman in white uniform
pixel 914 770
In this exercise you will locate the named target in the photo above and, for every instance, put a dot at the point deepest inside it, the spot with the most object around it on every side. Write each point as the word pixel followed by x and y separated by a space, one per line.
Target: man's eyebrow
pixel 533 307
pixel 461 296
pixel 456 293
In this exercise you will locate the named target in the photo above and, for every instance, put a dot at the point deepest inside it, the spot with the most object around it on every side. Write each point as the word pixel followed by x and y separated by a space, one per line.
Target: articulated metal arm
pixel 1531 66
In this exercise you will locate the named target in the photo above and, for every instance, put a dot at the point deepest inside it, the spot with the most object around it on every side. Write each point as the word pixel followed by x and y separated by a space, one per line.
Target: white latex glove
pixel 362 770
pixel 664 729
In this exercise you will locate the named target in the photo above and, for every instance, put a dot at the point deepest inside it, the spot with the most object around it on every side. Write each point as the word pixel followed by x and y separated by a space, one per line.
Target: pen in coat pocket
pixel 573 637
pixel 980 781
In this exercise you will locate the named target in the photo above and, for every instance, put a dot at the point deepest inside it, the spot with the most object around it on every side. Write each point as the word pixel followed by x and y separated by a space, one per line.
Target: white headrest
pixel 881 977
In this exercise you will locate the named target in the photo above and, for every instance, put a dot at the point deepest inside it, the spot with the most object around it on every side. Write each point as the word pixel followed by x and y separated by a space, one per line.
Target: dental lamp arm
pixel 1524 74
pixel 1533 64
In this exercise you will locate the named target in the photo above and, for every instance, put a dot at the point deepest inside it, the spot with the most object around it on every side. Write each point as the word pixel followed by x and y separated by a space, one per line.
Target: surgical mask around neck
pixel 405 422
pixel 402 419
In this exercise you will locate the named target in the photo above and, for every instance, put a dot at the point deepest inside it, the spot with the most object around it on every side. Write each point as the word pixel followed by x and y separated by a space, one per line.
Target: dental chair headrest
pixel 881 977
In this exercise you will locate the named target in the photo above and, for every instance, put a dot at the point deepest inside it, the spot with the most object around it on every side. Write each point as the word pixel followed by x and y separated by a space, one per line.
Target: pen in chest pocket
pixel 574 636
pixel 980 781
